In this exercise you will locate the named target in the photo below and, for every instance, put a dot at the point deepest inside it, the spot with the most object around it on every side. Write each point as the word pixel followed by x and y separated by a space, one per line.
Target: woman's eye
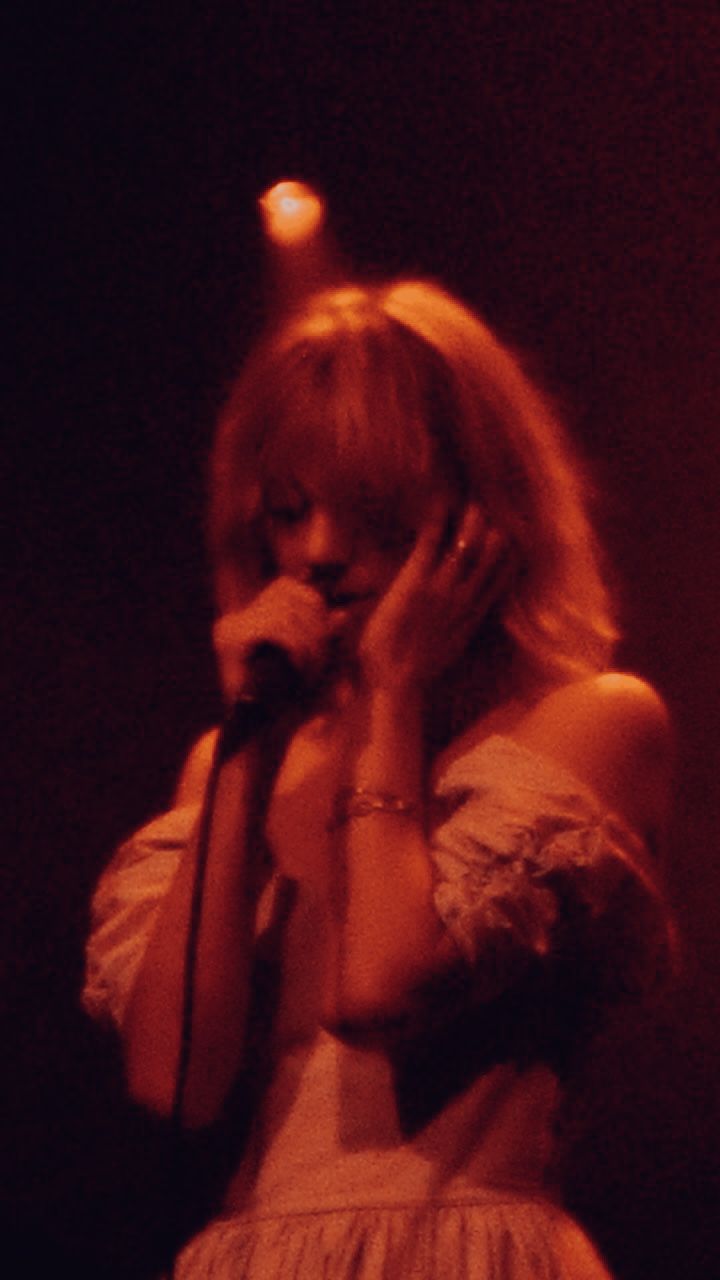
pixel 286 506
pixel 287 515
pixel 397 540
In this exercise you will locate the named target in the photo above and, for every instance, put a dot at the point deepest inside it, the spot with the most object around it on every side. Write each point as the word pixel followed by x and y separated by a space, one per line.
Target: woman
pixel 429 866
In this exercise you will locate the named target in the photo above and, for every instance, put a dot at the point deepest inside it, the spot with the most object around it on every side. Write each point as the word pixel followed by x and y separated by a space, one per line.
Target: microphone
pixel 272 678
pixel 272 683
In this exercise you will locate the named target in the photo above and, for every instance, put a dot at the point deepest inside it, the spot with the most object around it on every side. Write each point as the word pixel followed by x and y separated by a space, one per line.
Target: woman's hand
pixel 286 613
pixel 437 600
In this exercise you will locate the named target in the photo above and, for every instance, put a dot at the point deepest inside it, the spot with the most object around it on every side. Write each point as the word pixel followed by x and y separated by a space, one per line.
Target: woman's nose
pixel 327 546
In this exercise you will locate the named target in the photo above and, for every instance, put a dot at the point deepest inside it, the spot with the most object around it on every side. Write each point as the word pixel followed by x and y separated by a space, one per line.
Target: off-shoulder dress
pixel 428 1156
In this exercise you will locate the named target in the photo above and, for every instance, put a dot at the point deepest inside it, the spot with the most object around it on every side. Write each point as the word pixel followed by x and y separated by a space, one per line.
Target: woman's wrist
pixel 380 712
pixel 390 689
pixel 364 802
pixel 384 754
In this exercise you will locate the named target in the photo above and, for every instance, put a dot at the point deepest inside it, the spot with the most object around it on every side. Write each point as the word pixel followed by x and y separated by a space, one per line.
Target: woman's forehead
pixel 370 451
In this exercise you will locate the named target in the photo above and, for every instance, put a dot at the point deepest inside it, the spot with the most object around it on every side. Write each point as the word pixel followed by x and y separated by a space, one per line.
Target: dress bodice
pixel 436 1141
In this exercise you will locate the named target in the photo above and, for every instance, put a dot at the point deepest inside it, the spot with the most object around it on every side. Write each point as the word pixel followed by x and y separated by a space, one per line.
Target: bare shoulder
pixel 613 732
pixel 613 703
pixel 196 769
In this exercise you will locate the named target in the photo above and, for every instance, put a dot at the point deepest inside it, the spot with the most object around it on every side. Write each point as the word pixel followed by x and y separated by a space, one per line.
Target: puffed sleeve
pixel 530 867
pixel 125 907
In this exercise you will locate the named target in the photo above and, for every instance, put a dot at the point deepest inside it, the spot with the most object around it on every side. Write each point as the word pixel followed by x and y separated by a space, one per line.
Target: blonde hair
pixel 385 388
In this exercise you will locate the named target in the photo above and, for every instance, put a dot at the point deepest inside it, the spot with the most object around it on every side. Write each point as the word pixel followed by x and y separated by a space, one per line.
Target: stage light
pixel 292 213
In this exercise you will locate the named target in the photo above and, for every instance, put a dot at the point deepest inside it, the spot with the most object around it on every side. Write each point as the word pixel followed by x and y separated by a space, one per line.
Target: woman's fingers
pixel 493 575
pixel 475 571
pixel 288 614
pixel 428 546
pixel 471 550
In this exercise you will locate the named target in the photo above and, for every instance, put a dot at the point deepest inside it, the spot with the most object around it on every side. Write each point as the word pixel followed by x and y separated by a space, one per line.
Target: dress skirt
pixel 501 1237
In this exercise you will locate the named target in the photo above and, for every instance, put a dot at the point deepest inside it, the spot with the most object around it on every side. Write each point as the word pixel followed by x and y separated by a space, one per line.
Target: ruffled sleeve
pixel 529 867
pixel 125 907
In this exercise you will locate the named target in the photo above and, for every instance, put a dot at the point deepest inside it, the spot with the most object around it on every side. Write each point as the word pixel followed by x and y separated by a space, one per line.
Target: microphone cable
pixel 273 681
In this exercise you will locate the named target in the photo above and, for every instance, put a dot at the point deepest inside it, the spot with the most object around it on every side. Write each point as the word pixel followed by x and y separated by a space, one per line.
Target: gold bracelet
pixel 359 802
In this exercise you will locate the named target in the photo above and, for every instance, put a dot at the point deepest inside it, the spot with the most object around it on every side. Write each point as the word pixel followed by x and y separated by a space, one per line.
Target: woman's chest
pixel 296 910
pixel 302 804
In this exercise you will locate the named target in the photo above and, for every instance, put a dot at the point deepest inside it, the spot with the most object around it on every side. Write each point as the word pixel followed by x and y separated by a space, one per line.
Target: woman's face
pixel 350 556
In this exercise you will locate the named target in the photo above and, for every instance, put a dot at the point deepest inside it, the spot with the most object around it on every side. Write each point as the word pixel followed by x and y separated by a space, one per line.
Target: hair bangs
pixel 350 421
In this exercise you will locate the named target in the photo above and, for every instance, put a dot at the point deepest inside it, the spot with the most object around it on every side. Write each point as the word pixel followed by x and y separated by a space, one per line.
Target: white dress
pixel 429 1161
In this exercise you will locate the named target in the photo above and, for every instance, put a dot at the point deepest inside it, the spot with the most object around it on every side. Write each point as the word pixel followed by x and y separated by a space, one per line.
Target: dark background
pixel 557 165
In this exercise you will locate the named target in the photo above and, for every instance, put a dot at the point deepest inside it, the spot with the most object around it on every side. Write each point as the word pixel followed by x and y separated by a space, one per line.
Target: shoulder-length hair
pixel 384 390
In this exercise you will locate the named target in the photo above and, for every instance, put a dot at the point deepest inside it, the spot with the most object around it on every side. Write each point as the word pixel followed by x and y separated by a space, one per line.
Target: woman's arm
pixel 293 617
pixel 387 936
pixel 610 731
pixel 152 1027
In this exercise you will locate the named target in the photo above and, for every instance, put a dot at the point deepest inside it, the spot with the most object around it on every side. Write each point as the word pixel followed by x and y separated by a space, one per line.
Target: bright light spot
pixel 292 212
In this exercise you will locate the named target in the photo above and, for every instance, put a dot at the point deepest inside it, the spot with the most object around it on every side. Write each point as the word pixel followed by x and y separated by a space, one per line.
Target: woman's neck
pixel 488 691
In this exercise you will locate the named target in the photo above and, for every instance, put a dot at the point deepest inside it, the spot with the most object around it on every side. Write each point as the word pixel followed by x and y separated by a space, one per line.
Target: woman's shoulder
pixel 610 700
pixel 612 731
pixel 609 732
